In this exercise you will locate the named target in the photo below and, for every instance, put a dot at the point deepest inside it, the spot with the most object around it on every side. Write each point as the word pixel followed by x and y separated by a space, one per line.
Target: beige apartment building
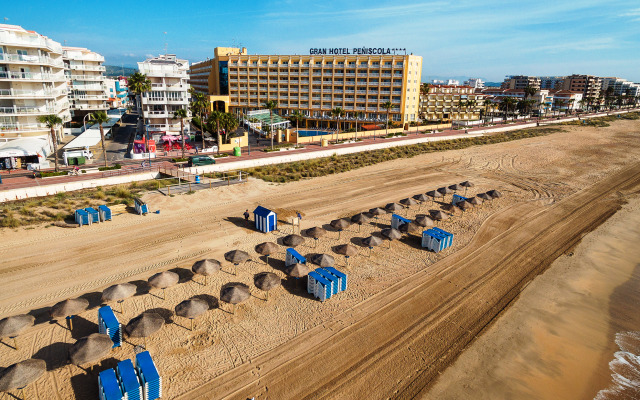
pixel 313 84
pixel 520 82
pixel 590 86
pixel 451 103
pixel 85 80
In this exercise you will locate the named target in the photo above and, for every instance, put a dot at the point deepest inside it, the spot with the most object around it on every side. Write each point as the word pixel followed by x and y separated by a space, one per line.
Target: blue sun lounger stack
pixel 397 220
pixel 325 282
pixel 93 214
pixel 436 240
pixel 109 325
pixel 82 217
pixel 293 257
pixel 108 386
pixel 149 376
pixel 129 381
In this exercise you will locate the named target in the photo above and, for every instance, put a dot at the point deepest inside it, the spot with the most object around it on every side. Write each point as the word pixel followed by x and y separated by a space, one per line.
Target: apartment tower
pixel 85 80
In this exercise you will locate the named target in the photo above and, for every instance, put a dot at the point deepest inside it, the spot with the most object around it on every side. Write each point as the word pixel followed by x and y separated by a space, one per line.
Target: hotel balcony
pixel 157 114
pixel 19 128
pixel 87 67
pixel 30 59
pixel 21 40
pixel 86 77
pixel 14 93
pixel 33 76
pixel 83 57
pixel 15 110
pixel 88 97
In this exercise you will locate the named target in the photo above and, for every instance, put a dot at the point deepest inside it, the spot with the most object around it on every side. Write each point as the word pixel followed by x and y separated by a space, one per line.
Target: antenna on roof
pixel 166 44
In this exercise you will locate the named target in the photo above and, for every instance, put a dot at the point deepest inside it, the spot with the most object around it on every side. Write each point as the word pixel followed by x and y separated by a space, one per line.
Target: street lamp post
pixel 146 127
pixel 84 126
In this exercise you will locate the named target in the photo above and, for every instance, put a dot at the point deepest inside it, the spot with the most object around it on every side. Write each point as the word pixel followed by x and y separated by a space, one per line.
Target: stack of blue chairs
pixel 128 379
pixel 109 325
pixel 105 213
pixel 149 376
pixel 93 214
pixel 108 386
pixel 293 257
pixel 436 239
pixel 325 282
pixel 397 220
pixel 82 217
pixel 342 277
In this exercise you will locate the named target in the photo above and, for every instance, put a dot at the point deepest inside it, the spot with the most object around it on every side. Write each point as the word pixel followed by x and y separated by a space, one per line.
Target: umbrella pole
pixel 266 296
pixel 234 309
pixel 339 232
pixel 315 242
pixel 70 323
pixel 267 259
pixel 145 343
pixel 164 295
pixel 15 343
pixel 191 324
pixel 235 269
pixel 205 280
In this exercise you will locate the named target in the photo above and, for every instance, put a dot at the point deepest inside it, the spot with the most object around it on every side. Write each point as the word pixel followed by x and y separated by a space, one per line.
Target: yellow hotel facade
pixel 313 84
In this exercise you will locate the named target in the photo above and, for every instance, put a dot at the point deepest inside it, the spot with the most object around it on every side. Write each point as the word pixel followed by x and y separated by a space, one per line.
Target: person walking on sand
pixel 246 215
pixel 299 216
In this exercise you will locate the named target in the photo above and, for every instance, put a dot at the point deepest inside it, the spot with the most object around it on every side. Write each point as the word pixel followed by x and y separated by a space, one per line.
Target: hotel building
pixel 85 81
pixel 313 84
pixel 451 103
pixel 520 82
pixel 588 85
pixel 621 87
pixel 169 92
pixel 117 92
pixel 32 83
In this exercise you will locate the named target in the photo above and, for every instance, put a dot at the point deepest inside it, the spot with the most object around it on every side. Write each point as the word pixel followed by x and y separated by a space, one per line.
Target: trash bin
pixel 237 151
pixel 81 160
pixel 197 178
pixel 325 142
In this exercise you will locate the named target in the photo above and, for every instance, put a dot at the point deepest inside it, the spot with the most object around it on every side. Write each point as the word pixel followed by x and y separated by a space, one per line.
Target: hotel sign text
pixel 354 50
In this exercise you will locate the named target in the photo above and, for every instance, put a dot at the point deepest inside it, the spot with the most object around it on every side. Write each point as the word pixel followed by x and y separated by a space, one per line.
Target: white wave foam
pixel 625 368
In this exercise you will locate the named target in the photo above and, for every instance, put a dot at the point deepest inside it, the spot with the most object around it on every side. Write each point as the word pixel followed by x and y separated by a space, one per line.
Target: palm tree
pixel 101 117
pixel 215 118
pixel 229 123
pixel 387 106
pixel 51 121
pixel 139 84
pixel 338 113
pixel 181 114
pixel 506 103
pixel 296 117
pixel 559 104
pixel 271 105
pixel 199 105
pixel 357 114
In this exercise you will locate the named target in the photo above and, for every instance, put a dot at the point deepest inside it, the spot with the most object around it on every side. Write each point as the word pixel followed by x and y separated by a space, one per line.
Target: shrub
pixel 179 159
pixel 116 166
pixel 52 173
pixel 122 193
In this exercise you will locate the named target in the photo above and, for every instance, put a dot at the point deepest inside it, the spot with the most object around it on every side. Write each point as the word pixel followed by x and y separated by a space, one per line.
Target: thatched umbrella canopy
pixel 466 185
pixel 423 221
pixel 439 216
pixel 421 198
pixel 376 211
pixel 14 325
pixel 163 280
pixel 451 208
pixel 410 227
pixel 348 250
pixel 323 260
pixel 494 193
pixel 206 267
pixel 371 242
pixel 144 325
pixel 234 293
pixel 118 293
pixel 266 249
pixel 474 201
pixel 90 349
pixel 360 219
pixel 464 206
pixel 434 194
pixel 392 207
pixel 391 234
pixel 339 225
pixel 191 309
pixel 445 191
pixel 298 270
pixel 266 281
pixel 293 240
pixel 455 187
pixel 19 375
pixel 316 232
pixel 236 257
pixel 68 309
pixel 485 196
pixel 408 202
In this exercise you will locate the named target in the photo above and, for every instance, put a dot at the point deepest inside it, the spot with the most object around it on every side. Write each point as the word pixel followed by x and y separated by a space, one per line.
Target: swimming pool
pixel 313 133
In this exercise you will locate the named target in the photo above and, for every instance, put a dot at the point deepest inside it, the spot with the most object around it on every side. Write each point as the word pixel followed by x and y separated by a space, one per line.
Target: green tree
pixel 181 114
pixel 387 106
pixel 199 105
pixel 338 113
pixel 229 123
pixel 560 104
pixel 506 104
pixel 271 105
pixel 101 117
pixel 139 84
pixel 215 118
pixel 296 117
pixel 52 121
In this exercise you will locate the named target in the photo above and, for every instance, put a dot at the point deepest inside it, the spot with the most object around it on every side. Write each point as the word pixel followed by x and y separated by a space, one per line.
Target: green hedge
pixel 116 166
pixel 49 174
pixel 176 160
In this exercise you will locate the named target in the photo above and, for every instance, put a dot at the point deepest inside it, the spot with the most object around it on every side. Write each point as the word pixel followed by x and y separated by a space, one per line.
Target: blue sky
pixel 488 39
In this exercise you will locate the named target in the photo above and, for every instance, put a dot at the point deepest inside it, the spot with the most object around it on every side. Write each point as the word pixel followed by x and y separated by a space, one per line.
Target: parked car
pixel 195 161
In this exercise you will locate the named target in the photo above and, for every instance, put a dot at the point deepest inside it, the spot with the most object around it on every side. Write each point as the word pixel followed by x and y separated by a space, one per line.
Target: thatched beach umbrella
pixel 191 309
pixel 144 325
pixel 118 293
pixel 485 196
pixel 347 250
pixel 444 191
pixel 316 232
pixel 410 227
pixel 293 240
pixel 68 309
pixel 463 205
pixel 323 260
pixel 474 201
pixel 371 242
pixel 360 218
pixel 19 375
pixel 236 257
pixel 163 280
pixel 206 267
pixel 393 207
pixel 408 202
pixel 339 225
pixel 298 270
pixel 422 198
pixel 266 249
pixel 266 281
pixel 234 293
pixel 423 221
pixel 391 234
pixel 434 194
pixel 494 194
pixel 455 187
pixel 90 349
pixel 377 211
pixel 12 326
pixel 439 216
pixel 466 185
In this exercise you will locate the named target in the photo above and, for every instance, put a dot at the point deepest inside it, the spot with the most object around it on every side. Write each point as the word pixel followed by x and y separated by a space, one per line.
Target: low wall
pixel 362 134
pixel 244 142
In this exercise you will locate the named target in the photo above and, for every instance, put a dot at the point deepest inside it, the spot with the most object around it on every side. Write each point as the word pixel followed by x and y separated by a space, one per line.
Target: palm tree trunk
pixel 182 135
pixel 271 127
pixel 387 126
pixel 202 129
pixel 218 135
pixel 104 149
pixel 54 142
pixel 297 134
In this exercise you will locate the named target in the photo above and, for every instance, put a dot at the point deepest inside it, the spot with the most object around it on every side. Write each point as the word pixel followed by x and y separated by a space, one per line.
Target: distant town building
pixel 621 87
pixel 312 84
pixel 564 100
pixel 450 103
pixel 520 82
pixel 589 85
pixel 85 81
pixel 169 93
pixel 447 82
pixel 117 92
pixel 475 83
pixel 551 82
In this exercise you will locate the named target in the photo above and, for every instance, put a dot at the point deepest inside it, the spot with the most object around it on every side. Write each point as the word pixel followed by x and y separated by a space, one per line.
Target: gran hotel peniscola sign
pixel 339 51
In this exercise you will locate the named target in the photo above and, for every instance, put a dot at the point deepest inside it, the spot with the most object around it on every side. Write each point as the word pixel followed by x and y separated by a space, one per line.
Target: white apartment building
pixel 475 83
pixel 117 92
pixel 85 80
pixel 32 83
pixel 621 87
pixel 169 92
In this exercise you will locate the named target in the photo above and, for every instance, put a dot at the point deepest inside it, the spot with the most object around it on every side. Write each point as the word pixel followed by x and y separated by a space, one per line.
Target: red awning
pixel 370 127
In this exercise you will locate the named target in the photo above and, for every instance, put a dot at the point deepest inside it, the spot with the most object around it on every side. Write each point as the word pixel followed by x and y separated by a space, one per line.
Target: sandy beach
pixel 407 313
